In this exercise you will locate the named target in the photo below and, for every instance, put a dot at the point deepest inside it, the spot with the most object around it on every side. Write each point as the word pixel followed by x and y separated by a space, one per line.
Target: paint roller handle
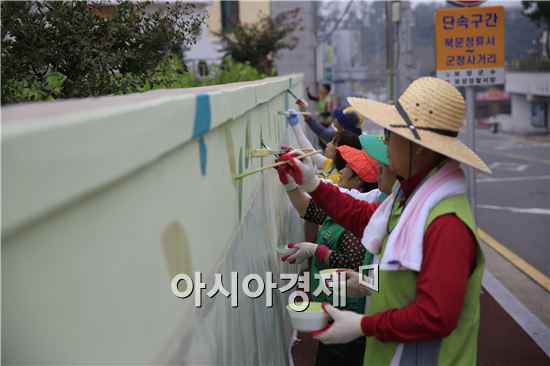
pixel 254 171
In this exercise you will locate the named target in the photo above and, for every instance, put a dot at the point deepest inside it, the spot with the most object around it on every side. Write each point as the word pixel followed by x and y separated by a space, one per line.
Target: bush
pixel 257 44
pixel 70 49
pixel 170 74
pixel 531 63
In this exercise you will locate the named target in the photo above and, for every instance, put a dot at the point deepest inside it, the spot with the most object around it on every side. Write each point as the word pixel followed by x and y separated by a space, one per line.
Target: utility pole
pixel 470 126
pixel 389 52
pixel 397 59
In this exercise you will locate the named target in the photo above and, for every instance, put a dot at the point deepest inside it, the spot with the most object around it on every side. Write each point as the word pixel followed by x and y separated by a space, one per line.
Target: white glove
pixel 305 251
pixel 292 117
pixel 291 185
pixel 353 287
pixel 302 105
pixel 303 172
pixel 286 179
pixel 345 328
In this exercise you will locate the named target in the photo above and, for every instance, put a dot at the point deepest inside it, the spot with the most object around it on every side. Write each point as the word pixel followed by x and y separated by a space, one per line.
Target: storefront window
pixel 539 112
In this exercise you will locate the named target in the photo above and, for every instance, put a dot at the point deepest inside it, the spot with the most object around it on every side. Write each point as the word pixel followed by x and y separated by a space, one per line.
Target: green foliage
pixel 539 13
pixel 257 44
pixel 67 49
pixel 531 64
pixel 170 74
pixel 48 89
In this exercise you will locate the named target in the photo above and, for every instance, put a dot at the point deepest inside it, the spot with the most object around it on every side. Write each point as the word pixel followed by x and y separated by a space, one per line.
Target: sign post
pixel 469 51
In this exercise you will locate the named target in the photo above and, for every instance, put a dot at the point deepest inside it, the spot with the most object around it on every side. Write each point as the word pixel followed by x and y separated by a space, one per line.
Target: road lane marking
pixel 513 167
pixel 537 276
pixel 537 143
pixel 535 211
pixel 518 144
pixel 486 179
pixel 514 156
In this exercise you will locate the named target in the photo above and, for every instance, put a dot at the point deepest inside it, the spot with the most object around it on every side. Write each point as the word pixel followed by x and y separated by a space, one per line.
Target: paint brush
pixel 266 152
pixel 254 171
pixel 299 101
pixel 293 95
pixel 282 113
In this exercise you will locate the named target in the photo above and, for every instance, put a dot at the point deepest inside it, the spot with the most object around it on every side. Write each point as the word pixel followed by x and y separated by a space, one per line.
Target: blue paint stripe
pixel 203 121
pixel 286 101
pixel 203 115
pixel 203 153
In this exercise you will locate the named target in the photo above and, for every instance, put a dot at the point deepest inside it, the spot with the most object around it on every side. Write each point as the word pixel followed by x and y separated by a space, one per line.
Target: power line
pixel 335 25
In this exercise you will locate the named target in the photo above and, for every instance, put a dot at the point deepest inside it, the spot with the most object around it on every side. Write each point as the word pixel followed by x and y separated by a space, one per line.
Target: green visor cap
pixel 374 146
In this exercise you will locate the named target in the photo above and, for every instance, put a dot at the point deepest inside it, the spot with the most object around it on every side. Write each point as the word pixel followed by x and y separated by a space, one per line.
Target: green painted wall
pixel 104 200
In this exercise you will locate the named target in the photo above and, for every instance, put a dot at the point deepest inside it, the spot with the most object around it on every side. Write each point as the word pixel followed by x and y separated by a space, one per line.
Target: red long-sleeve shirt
pixel 449 256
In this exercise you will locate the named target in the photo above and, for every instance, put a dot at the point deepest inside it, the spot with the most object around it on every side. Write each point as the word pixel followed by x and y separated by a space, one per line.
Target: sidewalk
pixel 501 340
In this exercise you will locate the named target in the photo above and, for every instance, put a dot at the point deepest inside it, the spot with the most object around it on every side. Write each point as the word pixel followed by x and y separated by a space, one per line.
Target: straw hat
pixel 360 162
pixel 428 113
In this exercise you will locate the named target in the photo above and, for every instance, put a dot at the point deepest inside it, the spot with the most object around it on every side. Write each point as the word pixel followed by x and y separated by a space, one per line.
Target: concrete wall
pixel 529 83
pixel 106 199
pixel 208 47
pixel 520 118
pixel 525 88
pixel 302 58
pixel 248 13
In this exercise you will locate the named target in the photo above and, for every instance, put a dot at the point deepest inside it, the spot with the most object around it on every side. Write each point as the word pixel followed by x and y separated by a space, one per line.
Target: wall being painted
pixel 106 199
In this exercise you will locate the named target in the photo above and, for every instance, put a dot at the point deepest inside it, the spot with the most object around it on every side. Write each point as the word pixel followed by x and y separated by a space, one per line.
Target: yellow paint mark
pixel 515 156
pixel 247 143
pixel 541 279
pixel 177 251
pixel 230 154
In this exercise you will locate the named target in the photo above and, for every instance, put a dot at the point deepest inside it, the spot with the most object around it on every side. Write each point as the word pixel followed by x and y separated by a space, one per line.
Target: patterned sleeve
pixel 350 255
pixel 314 214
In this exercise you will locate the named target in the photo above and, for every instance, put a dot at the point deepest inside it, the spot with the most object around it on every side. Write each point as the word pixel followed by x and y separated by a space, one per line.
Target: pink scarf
pixel 405 243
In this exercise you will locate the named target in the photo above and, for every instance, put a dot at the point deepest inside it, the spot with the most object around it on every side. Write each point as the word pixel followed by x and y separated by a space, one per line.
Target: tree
pixel 53 49
pixel 257 44
pixel 539 13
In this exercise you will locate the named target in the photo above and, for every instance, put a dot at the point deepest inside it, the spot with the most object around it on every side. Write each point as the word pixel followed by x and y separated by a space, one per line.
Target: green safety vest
pixel 397 289
pixel 329 235
pixel 321 109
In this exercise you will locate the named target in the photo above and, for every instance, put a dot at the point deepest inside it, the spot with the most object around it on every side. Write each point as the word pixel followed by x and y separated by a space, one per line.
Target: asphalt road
pixel 513 203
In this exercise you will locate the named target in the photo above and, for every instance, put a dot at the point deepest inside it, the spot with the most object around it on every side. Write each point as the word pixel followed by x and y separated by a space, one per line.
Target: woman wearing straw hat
pixel 424 235
pixel 334 247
